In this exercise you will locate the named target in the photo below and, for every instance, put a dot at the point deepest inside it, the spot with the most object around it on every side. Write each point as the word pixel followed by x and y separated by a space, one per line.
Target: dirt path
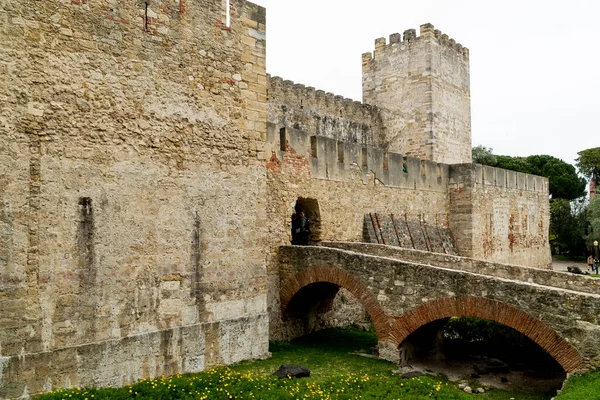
pixel 559 265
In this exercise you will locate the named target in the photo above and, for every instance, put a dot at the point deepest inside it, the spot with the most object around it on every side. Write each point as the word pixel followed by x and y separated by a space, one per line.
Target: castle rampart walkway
pixel 401 295
pixel 580 283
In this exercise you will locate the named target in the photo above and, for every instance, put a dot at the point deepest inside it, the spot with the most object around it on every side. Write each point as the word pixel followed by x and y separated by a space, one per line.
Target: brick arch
pixel 565 354
pixel 339 277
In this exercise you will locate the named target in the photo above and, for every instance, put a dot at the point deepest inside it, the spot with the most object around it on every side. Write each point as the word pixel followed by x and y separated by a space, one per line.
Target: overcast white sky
pixel 535 85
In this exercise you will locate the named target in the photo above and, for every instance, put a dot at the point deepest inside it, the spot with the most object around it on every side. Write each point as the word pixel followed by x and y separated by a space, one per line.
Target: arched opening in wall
pixel 325 296
pixel 483 351
pixel 310 208
pixel 324 305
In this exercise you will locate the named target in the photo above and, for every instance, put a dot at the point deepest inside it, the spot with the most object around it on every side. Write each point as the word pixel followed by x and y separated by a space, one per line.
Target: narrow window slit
pixel 365 157
pixel 340 149
pixel 313 146
pixel 282 139
pixel 145 15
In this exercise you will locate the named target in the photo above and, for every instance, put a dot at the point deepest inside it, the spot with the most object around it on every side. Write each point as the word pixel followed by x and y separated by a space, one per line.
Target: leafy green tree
pixel 562 176
pixel 519 164
pixel 568 226
pixel 483 155
pixel 593 219
pixel 588 163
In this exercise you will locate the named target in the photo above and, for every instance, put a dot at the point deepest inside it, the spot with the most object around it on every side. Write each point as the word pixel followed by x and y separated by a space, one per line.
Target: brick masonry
pixel 560 349
pixel 345 280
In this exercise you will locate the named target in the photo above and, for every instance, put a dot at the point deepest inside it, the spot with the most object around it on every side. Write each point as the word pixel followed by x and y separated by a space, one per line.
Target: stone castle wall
pixel 499 215
pixel 147 183
pixel 492 214
pixel 421 84
pixel 347 181
pixel 343 194
pixel 131 163
pixel 318 113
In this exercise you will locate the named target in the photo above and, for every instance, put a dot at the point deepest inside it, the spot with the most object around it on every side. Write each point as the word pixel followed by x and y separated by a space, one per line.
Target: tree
pixel 518 164
pixel 562 176
pixel 568 225
pixel 588 163
pixel 593 219
pixel 483 155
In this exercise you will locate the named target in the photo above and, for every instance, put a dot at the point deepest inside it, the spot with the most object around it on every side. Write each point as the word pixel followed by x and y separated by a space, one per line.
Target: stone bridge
pixel 403 290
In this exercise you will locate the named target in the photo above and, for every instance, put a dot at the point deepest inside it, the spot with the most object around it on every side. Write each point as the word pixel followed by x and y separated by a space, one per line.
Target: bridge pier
pixel 389 351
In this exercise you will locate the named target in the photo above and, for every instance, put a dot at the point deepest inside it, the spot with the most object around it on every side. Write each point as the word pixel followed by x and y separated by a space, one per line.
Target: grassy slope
pixel 335 374
pixel 328 354
pixel 582 387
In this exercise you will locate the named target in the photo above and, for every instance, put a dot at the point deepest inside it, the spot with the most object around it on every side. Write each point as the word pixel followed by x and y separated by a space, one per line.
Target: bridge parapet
pixel 409 295
pixel 563 280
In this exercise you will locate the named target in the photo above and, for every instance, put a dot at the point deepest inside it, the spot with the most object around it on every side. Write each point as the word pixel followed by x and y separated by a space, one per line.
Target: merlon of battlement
pixel 426 31
pixel 276 84
pixel 410 35
pixel 484 175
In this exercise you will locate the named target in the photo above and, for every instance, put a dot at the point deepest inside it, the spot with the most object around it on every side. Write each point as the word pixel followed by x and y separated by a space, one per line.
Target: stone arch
pixel 313 213
pixel 548 339
pixel 341 278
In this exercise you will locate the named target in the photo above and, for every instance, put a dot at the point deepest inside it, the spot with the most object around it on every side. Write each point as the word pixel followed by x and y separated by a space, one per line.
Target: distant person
pixel 303 229
pixel 590 262
pixel 596 262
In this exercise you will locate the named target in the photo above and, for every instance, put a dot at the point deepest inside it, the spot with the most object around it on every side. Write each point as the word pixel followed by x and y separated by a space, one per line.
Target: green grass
pixel 336 373
pixel 582 387
pixel 323 352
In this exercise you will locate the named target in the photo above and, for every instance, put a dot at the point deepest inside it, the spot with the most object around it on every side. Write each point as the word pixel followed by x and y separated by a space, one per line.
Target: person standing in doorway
pixel 303 228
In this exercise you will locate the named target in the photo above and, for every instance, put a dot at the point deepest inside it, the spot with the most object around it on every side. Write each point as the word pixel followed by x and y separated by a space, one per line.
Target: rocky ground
pixel 459 371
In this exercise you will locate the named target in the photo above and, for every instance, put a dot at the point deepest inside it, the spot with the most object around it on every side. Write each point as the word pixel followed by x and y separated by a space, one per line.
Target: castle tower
pixel 421 84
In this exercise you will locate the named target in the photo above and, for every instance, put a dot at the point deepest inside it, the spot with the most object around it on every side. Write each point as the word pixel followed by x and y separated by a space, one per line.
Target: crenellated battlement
pixel 277 86
pixel 423 81
pixel 334 160
pixel 321 113
pixel 483 175
pixel 409 36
